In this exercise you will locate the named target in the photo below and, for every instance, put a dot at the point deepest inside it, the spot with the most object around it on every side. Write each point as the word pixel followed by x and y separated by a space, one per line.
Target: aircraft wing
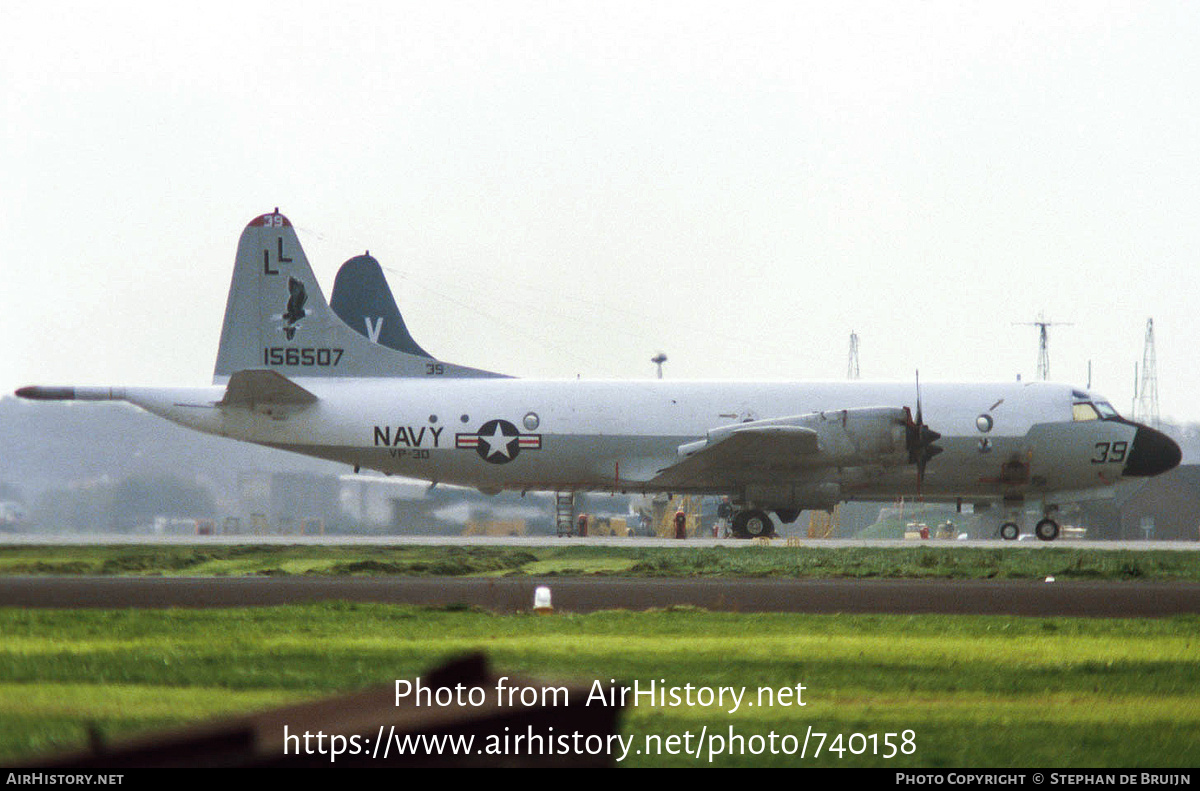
pixel 790 448
pixel 251 387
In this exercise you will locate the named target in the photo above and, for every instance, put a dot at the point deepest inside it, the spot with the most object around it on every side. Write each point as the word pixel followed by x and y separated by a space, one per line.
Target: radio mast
pixel 1146 399
pixel 1043 364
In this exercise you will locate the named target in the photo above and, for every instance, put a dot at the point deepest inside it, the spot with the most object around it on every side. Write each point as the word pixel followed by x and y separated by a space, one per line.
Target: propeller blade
pixel 920 422
pixel 919 439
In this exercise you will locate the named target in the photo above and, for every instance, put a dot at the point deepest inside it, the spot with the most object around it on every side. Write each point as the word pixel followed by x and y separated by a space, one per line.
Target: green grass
pixel 976 691
pixel 776 560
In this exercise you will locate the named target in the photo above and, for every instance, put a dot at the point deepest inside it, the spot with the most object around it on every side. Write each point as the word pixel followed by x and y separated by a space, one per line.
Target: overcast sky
pixel 566 188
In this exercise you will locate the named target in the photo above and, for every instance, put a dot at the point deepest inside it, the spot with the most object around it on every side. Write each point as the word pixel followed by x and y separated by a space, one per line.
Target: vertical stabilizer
pixel 362 298
pixel 277 319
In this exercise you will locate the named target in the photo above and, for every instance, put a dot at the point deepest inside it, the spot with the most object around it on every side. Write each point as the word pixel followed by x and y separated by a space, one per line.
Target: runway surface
pixel 507 595
pixel 978 597
pixel 111 539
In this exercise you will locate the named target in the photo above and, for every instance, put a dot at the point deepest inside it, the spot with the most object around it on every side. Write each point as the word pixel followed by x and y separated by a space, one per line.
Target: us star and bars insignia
pixel 498 441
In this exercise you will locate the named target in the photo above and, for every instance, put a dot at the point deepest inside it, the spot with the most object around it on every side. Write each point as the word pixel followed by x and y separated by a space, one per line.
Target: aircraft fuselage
pixel 616 436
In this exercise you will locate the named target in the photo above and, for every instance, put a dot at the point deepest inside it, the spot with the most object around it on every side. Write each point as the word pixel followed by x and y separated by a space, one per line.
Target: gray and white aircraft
pixel 290 374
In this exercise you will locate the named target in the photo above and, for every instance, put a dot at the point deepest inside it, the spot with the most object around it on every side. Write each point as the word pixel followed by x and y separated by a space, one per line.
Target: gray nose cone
pixel 1153 453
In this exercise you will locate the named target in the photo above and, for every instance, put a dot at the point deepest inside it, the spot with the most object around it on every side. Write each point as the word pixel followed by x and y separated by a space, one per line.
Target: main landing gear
pixel 1046 530
pixel 753 524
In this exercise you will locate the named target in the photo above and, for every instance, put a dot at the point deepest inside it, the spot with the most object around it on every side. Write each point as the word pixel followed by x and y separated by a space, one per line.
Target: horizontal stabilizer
pixel 263 387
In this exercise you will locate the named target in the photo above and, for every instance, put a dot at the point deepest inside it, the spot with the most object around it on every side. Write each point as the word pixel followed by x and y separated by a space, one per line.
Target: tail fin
pixel 361 298
pixel 277 319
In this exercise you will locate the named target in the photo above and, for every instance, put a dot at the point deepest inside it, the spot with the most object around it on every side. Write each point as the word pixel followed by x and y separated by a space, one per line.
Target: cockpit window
pixel 1093 410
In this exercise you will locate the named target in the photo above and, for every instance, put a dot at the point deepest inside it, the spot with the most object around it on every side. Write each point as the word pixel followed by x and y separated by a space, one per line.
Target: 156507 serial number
pixel 307 357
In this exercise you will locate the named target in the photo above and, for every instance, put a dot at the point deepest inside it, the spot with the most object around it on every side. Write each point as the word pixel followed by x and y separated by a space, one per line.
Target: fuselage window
pixel 1084 411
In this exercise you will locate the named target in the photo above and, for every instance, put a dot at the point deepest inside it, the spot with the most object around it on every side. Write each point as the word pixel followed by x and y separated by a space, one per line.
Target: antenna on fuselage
pixel 658 360
pixel 852 365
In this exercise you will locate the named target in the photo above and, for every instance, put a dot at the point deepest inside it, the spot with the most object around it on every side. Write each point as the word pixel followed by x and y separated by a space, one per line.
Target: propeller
pixel 919 439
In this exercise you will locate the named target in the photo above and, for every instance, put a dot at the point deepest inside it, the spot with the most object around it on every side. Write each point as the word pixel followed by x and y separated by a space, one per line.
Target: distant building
pixel 381 504
pixel 1163 508
pixel 281 500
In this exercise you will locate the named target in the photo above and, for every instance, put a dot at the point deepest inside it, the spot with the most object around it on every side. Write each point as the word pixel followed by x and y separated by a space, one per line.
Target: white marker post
pixel 541 600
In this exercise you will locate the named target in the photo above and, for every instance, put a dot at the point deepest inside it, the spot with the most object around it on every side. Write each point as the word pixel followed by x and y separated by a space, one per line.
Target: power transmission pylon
pixel 852 366
pixel 1146 399
pixel 1043 365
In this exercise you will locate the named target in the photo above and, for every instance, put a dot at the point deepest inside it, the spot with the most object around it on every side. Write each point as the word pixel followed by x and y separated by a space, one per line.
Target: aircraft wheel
pixel 1009 531
pixel 753 524
pixel 739 524
pixel 1047 529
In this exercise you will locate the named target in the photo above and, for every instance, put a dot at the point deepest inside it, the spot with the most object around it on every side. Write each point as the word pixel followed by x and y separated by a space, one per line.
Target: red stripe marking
pixel 272 220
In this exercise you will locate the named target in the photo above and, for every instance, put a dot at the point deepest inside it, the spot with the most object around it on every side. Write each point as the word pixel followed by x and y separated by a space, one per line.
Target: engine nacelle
pixel 844 438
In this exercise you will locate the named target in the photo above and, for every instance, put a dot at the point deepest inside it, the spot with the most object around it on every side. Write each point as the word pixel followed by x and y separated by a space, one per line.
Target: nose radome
pixel 1153 453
